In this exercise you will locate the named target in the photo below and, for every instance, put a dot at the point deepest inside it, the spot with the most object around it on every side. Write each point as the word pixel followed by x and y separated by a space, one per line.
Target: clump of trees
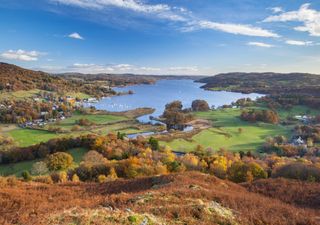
pixel 175 117
pixel 200 106
pixel 244 102
pixel 267 116
pixel 84 122
pixel 299 171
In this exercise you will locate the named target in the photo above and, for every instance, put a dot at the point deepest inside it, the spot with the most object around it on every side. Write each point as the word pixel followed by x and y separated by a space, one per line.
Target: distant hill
pixel 124 79
pixel 14 78
pixel 266 83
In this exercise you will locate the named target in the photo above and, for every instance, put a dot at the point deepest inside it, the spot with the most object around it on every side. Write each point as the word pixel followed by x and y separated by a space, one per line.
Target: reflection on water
pixel 164 91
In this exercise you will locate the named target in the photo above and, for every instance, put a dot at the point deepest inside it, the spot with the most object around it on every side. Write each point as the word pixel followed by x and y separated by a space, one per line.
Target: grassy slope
pixel 18 168
pixel 227 122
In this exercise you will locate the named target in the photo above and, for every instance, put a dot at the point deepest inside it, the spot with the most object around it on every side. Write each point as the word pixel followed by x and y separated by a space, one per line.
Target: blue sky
pixel 200 37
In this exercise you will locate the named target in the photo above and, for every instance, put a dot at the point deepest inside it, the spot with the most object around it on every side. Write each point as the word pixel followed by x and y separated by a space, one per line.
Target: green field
pixel 18 168
pixel 27 137
pixel 225 133
pixel 105 124
pixel 97 119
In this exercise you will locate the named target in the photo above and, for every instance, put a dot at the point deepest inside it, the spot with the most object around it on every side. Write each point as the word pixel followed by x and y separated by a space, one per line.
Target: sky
pixel 175 37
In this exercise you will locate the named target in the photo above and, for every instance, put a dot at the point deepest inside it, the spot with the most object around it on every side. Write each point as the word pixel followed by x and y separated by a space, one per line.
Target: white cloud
pixel 76 36
pixel 160 10
pixel 21 55
pixel 299 43
pixel 260 44
pixel 309 17
pixel 183 16
pixel 276 9
pixel 240 29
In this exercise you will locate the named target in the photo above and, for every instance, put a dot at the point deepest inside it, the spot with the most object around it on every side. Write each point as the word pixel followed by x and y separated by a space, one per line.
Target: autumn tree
pixel 39 168
pixel 59 161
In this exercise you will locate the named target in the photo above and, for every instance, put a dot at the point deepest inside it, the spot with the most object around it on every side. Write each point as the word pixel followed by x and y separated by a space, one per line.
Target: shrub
pixel 26 176
pixel 112 175
pixel 59 177
pixel 75 178
pixel 59 161
pixel 39 168
pixel 102 179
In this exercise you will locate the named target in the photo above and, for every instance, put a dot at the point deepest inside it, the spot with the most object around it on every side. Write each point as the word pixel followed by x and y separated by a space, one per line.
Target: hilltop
pixel 14 78
pixel 265 83
pixel 182 198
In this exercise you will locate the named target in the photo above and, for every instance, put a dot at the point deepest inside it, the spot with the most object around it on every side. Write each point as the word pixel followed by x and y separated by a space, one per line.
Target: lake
pixel 164 91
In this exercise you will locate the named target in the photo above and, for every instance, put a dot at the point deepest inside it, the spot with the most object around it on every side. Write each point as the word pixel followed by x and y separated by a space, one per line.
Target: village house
pixel 298 141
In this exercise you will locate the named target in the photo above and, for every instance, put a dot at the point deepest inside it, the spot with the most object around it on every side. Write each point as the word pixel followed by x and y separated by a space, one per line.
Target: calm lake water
pixel 164 91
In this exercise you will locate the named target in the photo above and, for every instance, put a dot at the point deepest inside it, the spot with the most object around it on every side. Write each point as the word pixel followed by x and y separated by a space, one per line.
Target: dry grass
pixel 303 194
pixel 187 198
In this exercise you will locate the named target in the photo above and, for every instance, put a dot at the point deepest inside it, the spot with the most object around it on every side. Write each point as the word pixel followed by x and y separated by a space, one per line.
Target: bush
pixel 59 177
pixel 102 179
pixel 39 168
pixel 26 176
pixel 75 178
pixel 112 175
pixel 59 161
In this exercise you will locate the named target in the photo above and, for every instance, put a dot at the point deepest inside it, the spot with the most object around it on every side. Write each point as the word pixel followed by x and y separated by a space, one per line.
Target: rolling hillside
pixel 14 78
pixel 266 83
pixel 186 198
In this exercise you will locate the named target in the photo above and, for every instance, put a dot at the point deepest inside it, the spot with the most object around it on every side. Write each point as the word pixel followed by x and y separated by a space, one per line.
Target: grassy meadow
pixel 104 124
pixel 225 133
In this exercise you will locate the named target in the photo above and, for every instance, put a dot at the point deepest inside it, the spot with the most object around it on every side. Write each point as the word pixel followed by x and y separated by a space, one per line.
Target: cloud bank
pixel 21 55
pixel 310 19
